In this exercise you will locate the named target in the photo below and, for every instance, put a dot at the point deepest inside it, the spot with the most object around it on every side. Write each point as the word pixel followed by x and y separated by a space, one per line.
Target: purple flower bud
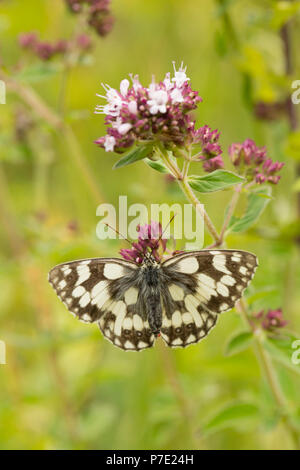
pixel 274 319
pixel 149 241
pixel 28 40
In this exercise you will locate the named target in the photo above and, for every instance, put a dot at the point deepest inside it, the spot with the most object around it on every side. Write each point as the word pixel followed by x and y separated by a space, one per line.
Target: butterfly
pixel 178 299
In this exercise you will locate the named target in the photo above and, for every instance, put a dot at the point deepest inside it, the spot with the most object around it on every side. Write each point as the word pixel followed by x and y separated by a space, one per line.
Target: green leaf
pixel 257 202
pixel 157 165
pixel 38 72
pixel 233 415
pixel 134 155
pixel 238 343
pixel 215 181
pixel 281 350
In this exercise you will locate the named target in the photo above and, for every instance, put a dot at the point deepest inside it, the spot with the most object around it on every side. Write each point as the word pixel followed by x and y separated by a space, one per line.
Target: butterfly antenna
pixel 117 231
pixel 162 233
pixel 124 238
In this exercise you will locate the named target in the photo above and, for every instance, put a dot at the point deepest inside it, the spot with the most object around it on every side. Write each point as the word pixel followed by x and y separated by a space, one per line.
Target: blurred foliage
pixel 64 386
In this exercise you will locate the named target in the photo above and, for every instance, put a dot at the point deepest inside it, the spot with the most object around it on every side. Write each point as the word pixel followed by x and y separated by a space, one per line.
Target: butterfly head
pixel 149 259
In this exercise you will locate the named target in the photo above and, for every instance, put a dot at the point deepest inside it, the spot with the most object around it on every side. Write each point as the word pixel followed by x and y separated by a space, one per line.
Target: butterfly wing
pixel 199 286
pixel 103 290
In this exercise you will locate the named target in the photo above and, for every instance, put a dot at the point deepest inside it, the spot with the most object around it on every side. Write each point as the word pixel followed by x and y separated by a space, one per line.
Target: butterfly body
pixel 179 299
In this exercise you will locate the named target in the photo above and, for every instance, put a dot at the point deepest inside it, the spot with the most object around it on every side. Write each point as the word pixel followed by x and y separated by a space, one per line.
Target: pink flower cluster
pixel 149 241
pixel 211 152
pixel 42 49
pixel 271 320
pixel 254 162
pixel 98 11
pixel 159 112
pixel 45 50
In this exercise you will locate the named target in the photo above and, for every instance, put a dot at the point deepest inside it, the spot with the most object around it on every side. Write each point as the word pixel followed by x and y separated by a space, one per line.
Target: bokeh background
pixel 64 386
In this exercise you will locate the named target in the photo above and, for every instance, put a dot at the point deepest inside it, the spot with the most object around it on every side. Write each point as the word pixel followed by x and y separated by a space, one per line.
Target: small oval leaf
pixel 257 202
pixel 238 343
pixel 134 155
pixel 157 165
pixel 215 181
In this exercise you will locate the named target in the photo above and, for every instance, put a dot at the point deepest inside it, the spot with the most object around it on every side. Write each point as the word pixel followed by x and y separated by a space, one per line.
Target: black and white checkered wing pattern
pixel 200 285
pixel 103 290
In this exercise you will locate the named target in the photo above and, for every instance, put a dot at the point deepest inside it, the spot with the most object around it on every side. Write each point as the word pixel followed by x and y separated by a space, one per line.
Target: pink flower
pixel 157 112
pixel 149 241
pixel 271 320
pixel 253 160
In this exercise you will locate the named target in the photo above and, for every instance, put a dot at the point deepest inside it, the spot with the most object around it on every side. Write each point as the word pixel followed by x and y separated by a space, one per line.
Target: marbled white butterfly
pixel 179 298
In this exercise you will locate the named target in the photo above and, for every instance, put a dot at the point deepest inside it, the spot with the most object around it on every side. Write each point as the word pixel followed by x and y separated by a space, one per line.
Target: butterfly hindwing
pixel 102 290
pixel 200 285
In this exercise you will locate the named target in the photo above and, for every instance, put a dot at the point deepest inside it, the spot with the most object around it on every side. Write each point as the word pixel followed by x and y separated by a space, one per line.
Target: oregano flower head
pixel 149 241
pixel 252 161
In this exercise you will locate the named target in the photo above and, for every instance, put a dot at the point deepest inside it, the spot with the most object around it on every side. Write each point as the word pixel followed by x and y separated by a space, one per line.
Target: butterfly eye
pixel 139 334
pixel 127 332
pixel 190 326
pixel 178 330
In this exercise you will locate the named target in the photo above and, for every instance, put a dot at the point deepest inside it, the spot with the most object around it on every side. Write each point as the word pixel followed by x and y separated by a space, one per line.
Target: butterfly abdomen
pixel 152 297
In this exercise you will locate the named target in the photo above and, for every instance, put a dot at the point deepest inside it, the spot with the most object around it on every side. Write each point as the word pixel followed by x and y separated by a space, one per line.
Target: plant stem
pixel 231 209
pixel 35 102
pixel 185 408
pixel 181 178
pixel 270 375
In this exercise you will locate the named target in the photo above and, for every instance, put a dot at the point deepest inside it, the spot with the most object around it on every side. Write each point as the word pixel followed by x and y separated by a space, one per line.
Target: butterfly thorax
pixel 150 291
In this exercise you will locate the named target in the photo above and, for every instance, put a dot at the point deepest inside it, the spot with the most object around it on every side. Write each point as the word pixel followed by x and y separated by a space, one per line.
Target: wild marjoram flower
pixel 253 162
pixel 158 114
pixel 149 241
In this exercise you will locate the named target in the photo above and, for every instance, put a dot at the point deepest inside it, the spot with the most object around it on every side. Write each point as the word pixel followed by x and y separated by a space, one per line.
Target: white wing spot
pixel 188 265
pixel 236 259
pixel 224 307
pixel 187 318
pixel 127 323
pixel 177 342
pixel 83 273
pixel 219 262
pixel 176 292
pixel 66 271
pixel 176 319
pixel 119 310
pixel 222 289
pixel 101 298
pixel 191 304
pixel 62 284
pixel 98 288
pixel 137 322
pixel 142 345
pixel 228 280
pixel 243 270
pixel 207 280
pixel 85 299
pixel 191 339
pixel 113 271
pixel 129 345
pixel 131 296
pixel 86 317
pixel 78 291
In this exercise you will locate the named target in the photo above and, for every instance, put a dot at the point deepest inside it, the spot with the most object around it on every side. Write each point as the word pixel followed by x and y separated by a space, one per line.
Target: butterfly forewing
pixel 200 286
pixel 102 290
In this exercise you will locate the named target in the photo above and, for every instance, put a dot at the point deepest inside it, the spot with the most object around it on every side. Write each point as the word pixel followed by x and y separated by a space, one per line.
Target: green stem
pixel 35 102
pixel 182 180
pixel 270 375
pixel 231 209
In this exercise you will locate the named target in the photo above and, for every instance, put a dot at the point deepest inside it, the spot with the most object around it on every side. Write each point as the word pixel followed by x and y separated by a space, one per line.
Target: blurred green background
pixel 64 386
